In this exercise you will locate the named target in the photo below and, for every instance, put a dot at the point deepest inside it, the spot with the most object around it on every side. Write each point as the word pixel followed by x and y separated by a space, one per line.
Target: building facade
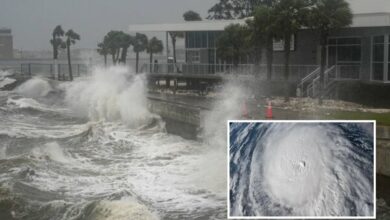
pixel 6 44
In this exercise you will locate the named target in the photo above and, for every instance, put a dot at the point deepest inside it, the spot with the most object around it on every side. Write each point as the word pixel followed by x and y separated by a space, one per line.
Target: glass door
pixel 378 58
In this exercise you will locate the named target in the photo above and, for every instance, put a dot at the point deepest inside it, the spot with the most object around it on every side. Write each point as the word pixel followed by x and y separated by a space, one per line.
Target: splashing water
pixel 90 149
pixel 34 88
pixel 110 94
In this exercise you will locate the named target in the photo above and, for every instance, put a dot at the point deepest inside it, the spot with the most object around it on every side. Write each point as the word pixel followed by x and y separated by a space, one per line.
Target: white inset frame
pixel 298 121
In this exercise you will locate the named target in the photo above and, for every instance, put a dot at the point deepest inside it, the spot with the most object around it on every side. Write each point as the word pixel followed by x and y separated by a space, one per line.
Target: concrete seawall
pixel 180 118
pixel 383 150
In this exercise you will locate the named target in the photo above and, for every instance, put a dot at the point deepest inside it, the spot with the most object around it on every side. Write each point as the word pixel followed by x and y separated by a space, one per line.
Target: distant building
pixel 6 44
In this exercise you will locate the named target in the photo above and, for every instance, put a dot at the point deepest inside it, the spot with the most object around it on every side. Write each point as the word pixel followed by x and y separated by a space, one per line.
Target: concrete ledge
pixel 383 150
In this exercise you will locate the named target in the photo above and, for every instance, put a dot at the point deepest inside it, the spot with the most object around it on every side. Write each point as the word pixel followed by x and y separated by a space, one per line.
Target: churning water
pixel 90 149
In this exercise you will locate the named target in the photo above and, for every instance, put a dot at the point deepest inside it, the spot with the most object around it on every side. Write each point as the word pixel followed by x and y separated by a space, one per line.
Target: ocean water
pixel 90 149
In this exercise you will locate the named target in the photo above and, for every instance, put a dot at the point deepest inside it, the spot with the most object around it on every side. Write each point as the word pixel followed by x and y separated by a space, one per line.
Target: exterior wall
pixel 366 35
pixel 305 52
pixel 6 44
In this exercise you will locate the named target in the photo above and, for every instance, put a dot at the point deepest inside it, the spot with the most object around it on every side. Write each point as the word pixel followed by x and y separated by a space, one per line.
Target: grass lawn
pixel 381 118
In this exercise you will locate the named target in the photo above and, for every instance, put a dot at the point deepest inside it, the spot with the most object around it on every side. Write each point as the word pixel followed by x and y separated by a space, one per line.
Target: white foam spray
pixel 214 162
pixel 53 151
pixel 110 94
pixel 34 88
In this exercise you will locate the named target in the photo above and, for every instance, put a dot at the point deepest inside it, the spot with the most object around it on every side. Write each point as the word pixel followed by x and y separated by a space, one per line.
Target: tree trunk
pixel 55 56
pixel 113 58
pixel 105 60
pixel 55 68
pixel 55 51
pixel 270 54
pixel 258 55
pixel 322 68
pixel 136 61
pixel 117 56
pixel 236 58
pixel 69 63
pixel 151 62
pixel 287 45
pixel 174 48
pixel 124 55
pixel 174 53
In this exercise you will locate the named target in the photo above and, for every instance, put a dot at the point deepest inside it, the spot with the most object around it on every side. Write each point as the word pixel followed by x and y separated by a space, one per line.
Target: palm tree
pixel 289 18
pixel 232 44
pixel 174 35
pixel 113 42
pixel 103 50
pixel 57 43
pixel 263 28
pixel 140 44
pixel 126 41
pixel 154 46
pixel 71 38
pixel 224 9
pixel 325 16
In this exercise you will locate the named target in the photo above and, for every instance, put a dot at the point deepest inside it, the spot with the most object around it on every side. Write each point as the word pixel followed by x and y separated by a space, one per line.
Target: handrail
pixel 308 77
pixel 312 86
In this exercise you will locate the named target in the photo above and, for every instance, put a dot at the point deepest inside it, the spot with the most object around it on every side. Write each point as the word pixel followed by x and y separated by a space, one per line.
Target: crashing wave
pixel 34 88
pixel 112 94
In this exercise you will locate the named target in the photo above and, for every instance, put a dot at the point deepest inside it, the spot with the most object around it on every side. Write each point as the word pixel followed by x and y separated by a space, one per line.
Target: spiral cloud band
pixel 301 169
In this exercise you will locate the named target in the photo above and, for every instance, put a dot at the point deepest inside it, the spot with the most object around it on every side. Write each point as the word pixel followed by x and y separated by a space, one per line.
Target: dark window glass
pixel 332 41
pixel 204 40
pixel 377 71
pixel 389 54
pixel 198 40
pixel 356 53
pixel 388 72
pixel 332 55
pixel 378 53
pixel 348 41
pixel 211 40
pixel 379 39
pixel 349 53
pixel 191 39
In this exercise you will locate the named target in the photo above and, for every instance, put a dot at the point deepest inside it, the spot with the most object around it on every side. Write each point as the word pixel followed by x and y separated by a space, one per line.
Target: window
pixel 378 58
pixel 193 56
pixel 196 39
pixel 344 51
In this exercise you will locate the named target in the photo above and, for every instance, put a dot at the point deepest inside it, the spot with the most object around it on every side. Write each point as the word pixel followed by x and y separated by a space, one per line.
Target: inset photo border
pixel 301 169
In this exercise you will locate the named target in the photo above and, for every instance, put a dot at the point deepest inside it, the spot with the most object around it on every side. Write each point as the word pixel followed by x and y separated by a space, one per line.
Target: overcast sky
pixel 33 20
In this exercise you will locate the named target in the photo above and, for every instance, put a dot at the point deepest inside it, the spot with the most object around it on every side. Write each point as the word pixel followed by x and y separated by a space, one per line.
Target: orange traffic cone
pixel 244 110
pixel 268 114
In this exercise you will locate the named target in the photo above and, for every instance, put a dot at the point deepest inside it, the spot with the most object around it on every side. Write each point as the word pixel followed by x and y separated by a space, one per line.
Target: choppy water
pixel 91 150
pixel 302 169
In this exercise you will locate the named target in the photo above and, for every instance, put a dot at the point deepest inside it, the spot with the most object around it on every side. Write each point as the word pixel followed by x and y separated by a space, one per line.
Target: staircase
pixel 310 84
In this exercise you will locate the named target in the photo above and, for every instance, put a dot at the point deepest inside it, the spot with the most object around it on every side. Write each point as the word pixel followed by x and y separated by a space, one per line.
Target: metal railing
pixel 313 88
pixel 297 72
pixel 47 70
pixel 331 75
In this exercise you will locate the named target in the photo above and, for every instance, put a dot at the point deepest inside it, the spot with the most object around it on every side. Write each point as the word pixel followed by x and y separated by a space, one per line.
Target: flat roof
pixel 380 19
pixel 207 25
